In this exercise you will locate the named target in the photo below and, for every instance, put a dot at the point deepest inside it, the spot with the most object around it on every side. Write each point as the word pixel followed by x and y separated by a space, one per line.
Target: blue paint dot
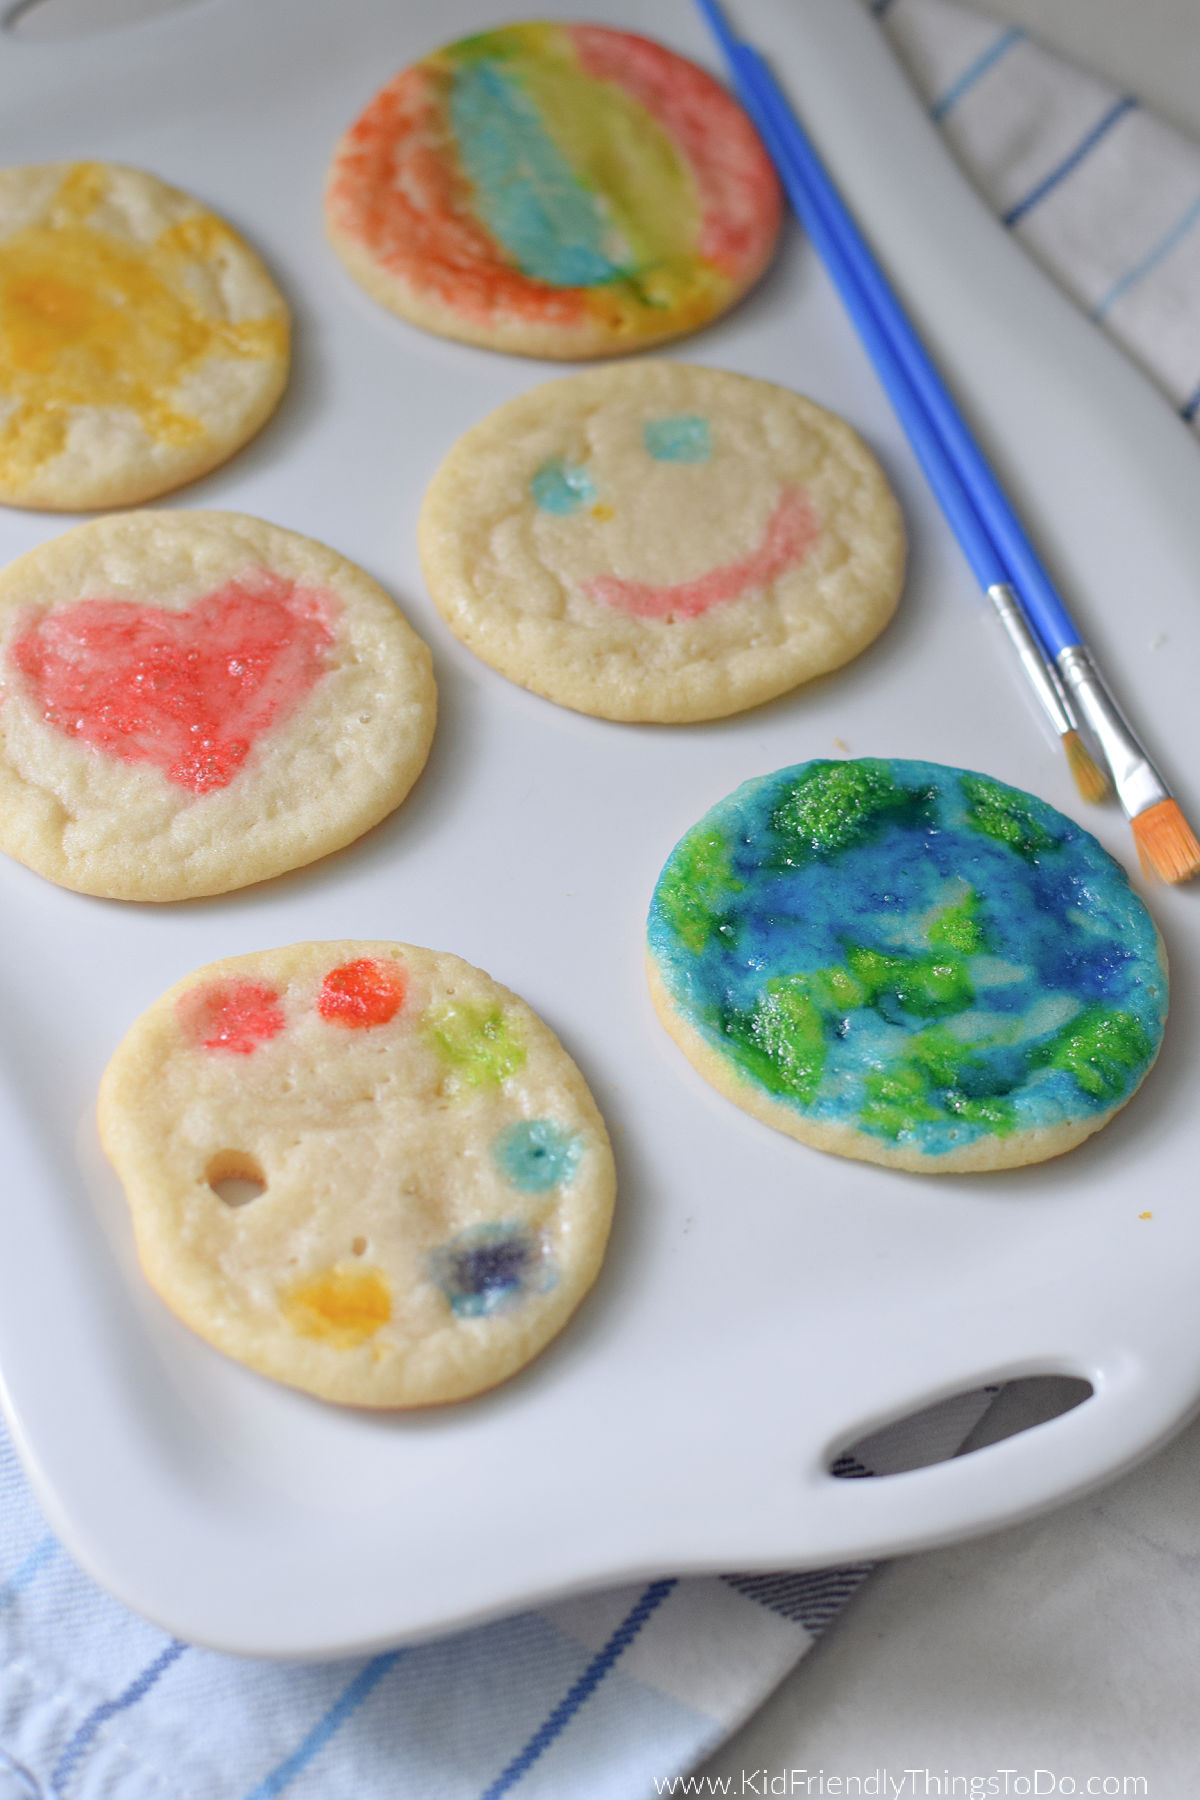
pixel 684 439
pixel 536 1155
pixel 489 1267
pixel 562 487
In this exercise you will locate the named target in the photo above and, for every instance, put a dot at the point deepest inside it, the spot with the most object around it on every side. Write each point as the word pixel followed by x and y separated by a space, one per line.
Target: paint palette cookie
pixel 364 1169
pixel 554 190
pixel 907 963
pixel 193 701
pixel 659 541
pixel 141 341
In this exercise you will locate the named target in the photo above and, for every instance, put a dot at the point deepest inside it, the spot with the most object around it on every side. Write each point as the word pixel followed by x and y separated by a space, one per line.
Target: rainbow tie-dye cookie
pixel 364 1169
pixel 193 701
pixel 655 540
pixel 554 190
pixel 141 340
pixel 906 963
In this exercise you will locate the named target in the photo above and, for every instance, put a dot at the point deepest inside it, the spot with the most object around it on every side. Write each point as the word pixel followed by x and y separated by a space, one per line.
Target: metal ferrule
pixel 1041 673
pixel 1138 783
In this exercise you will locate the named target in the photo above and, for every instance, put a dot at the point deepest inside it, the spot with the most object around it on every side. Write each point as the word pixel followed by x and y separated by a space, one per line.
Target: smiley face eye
pixel 685 438
pixel 562 487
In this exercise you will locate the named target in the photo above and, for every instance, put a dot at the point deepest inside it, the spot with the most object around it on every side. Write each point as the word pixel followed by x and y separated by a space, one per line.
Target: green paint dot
pixel 480 1044
pixel 686 439
pixel 1000 813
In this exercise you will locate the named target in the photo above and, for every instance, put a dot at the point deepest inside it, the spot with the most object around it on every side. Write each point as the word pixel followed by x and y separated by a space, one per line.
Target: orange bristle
pixel 1090 778
pixel 1166 842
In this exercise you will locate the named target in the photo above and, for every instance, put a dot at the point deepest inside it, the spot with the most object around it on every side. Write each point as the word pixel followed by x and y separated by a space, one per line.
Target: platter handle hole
pixel 235 1177
pixel 57 21
pixel 960 1425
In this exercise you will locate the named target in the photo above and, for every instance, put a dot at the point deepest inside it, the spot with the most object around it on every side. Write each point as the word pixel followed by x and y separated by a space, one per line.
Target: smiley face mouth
pixel 787 538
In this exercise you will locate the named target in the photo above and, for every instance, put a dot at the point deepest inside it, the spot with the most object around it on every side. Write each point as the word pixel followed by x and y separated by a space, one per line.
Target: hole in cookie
pixel 235 1177
pixel 359 1246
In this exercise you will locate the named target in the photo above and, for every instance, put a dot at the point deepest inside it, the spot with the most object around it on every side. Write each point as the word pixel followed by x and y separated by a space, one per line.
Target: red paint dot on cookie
pixel 361 994
pixel 235 1015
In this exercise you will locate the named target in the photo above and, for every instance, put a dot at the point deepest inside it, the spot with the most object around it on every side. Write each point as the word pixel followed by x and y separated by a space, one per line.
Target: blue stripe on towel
pixel 1150 261
pixel 348 1701
pixel 1070 163
pixel 975 71
pixel 20 1579
pixel 137 1689
pixel 582 1690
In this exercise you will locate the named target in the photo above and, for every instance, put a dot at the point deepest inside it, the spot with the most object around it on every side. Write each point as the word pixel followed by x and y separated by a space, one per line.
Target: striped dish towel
pixel 612 1696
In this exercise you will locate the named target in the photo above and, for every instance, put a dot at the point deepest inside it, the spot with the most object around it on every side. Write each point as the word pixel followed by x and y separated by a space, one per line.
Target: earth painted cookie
pixel 659 541
pixel 364 1169
pixel 554 190
pixel 907 963
pixel 193 701
pixel 141 341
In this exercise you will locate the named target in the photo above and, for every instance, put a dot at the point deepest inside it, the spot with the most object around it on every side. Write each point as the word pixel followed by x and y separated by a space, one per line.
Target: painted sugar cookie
pixel 364 1169
pixel 660 541
pixel 554 190
pixel 193 701
pixel 141 341
pixel 907 963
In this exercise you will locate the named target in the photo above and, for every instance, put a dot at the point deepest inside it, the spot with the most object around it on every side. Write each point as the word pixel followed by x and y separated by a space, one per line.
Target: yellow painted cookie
pixel 141 341
pixel 659 541
pixel 193 701
pixel 364 1169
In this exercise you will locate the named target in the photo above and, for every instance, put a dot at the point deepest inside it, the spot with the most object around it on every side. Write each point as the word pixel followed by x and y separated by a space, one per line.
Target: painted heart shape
pixel 191 691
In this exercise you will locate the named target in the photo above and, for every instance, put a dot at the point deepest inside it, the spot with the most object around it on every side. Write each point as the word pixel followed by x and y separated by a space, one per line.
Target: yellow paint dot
pixel 1146 1215
pixel 342 1306
pixel 602 511
pixel 91 319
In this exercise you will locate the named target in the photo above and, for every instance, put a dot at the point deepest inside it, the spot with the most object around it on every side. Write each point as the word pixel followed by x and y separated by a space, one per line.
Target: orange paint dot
pixel 235 1015
pixel 1146 1215
pixel 361 994
pixel 343 1307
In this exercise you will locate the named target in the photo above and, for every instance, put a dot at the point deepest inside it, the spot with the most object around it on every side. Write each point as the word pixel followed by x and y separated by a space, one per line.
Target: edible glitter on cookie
pixel 489 1268
pixel 362 994
pixel 189 691
pixel 235 1015
pixel 572 188
pixel 342 1306
pixel 537 1155
pixel 481 1047
pixel 562 487
pixel 922 953
pixel 686 439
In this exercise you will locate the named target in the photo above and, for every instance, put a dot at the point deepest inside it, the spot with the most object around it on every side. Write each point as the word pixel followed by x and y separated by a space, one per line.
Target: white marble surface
pixel 1069 1646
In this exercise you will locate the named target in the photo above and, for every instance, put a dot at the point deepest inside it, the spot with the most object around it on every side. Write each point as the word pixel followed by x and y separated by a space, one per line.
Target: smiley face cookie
pixel 191 701
pixel 554 190
pixel 907 963
pixel 364 1169
pixel 658 541
pixel 141 341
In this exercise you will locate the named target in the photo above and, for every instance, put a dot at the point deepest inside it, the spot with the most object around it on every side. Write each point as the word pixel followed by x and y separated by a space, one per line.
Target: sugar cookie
pixel 364 1169
pixel 141 341
pixel 907 963
pixel 193 701
pixel 660 541
pixel 555 190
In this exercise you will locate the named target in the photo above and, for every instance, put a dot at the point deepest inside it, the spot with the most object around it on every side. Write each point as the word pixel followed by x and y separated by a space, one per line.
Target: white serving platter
pixel 762 1305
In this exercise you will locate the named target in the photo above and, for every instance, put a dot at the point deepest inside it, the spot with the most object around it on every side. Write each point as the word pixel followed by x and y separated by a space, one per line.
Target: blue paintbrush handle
pixel 880 318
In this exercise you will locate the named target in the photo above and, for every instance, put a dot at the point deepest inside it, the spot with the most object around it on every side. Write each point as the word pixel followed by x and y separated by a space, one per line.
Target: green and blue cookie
pixel 907 963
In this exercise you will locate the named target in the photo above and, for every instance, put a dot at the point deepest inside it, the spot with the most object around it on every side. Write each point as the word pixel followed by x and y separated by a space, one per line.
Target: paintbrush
pixel 975 505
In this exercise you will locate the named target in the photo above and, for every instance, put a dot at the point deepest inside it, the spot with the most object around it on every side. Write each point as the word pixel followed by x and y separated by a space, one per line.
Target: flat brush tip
pixel 1089 777
pixel 1166 842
